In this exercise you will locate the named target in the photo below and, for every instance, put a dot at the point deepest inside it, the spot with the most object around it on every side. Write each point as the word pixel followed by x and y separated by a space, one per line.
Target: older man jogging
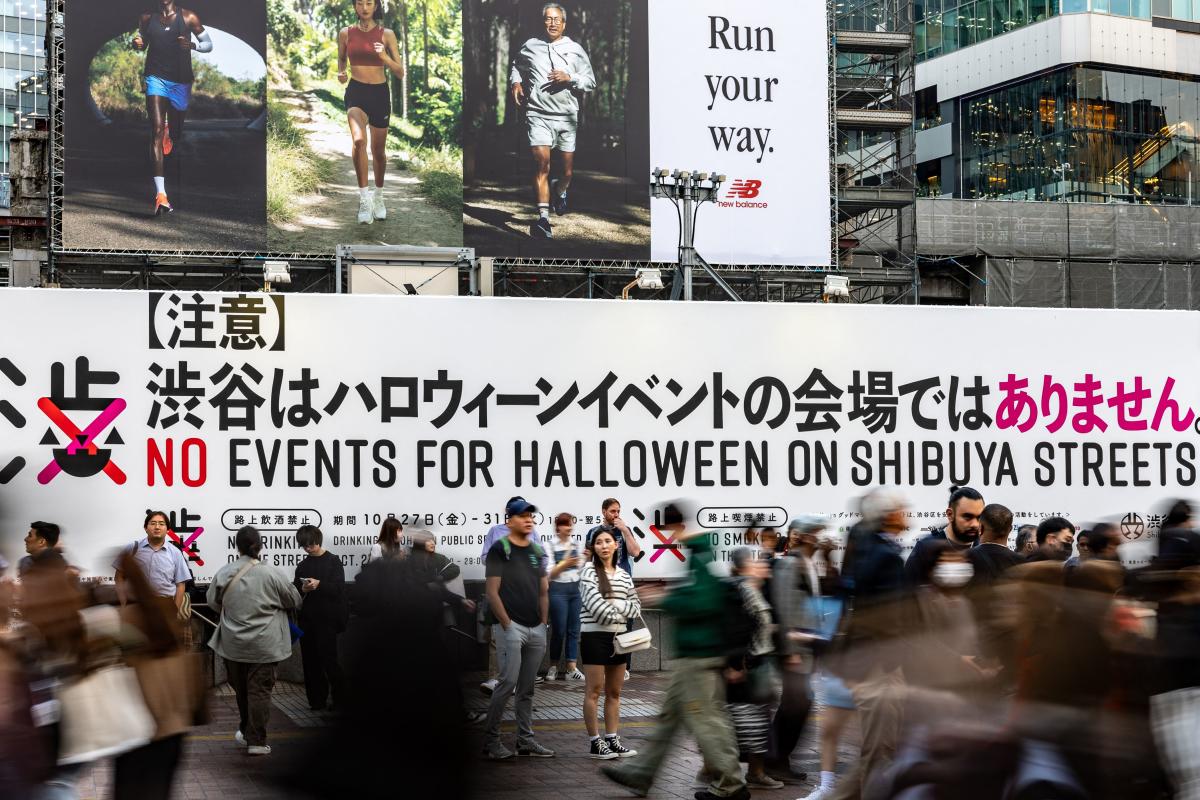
pixel 546 78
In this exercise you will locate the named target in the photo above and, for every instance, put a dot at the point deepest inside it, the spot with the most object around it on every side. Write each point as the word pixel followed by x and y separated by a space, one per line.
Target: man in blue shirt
pixel 163 564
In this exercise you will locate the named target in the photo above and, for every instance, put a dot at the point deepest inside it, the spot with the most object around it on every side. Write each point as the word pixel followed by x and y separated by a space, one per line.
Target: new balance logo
pixel 744 189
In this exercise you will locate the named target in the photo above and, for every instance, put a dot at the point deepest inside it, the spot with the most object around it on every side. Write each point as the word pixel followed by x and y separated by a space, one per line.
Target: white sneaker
pixel 575 675
pixel 237 737
pixel 379 210
pixel 258 750
pixel 626 674
pixel 820 793
pixel 364 209
pixel 552 673
pixel 489 686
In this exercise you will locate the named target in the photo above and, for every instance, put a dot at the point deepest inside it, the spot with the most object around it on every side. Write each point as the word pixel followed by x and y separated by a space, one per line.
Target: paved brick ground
pixel 215 767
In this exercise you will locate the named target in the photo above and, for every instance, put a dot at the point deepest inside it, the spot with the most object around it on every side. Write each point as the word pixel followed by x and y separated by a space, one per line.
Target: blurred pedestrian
pixel 253 634
pixel 1055 540
pixel 1026 543
pixel 694 698
pixel 749 672
pixel 609 603
pixel 321 580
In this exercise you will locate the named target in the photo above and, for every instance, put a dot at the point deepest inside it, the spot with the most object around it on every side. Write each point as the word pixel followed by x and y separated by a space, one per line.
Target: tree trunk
pixel 425 43
pixel 405 59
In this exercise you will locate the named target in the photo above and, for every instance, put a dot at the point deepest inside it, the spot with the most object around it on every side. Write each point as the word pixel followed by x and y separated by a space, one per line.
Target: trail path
pixel 329 218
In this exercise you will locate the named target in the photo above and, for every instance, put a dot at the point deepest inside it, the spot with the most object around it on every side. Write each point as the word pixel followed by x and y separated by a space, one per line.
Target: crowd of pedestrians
pixel 1039 671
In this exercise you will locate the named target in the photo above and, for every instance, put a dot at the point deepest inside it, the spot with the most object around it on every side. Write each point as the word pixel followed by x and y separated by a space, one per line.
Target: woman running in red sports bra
pixel 372 52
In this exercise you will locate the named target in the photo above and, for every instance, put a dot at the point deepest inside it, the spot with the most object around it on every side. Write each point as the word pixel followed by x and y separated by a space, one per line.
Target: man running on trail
pixel 166 36
pixel 546 78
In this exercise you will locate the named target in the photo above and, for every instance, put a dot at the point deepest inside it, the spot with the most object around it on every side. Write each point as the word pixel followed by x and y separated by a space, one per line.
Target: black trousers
pixel 322 673
pixel 146 773
pixel 794 708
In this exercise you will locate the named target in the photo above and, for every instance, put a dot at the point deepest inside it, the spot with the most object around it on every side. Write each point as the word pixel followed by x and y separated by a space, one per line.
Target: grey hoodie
pixel 532 68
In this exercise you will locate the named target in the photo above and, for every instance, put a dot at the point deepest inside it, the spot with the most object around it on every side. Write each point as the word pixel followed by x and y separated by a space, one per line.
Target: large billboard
pixel 340 410
pixel 520 128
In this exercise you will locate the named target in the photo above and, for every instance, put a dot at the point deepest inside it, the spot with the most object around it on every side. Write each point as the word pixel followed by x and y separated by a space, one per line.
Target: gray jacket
pixel 254 625
pixel 532 68
pixel 791 593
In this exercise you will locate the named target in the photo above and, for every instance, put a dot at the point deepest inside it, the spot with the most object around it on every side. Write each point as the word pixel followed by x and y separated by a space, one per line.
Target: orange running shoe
pixel 167 146
pixel 161 204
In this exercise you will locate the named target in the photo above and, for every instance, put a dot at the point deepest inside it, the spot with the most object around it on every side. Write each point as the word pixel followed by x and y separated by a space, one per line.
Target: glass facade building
pixel 1084 134
pixel 23 89
pixel 943 26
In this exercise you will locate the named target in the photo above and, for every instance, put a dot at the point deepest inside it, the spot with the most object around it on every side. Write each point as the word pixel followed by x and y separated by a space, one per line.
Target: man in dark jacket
pixel 695 696
pixel 871 661
pixel 962 530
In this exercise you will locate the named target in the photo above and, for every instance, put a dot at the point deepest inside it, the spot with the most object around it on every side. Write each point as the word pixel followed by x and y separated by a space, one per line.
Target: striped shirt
pixel 607 614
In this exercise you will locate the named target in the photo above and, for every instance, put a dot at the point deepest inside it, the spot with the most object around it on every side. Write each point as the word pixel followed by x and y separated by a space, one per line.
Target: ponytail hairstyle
pixel 598 563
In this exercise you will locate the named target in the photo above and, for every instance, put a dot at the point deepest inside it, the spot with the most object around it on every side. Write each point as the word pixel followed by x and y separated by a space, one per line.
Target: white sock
pixel 544 210
pixel 595 738
pixel 610 736
pixel 828 779
pixel 365 192
pixel 160 184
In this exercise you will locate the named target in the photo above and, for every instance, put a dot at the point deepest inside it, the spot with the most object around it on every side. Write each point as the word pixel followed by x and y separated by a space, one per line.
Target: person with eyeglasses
pixel 547 77
pixel 163 564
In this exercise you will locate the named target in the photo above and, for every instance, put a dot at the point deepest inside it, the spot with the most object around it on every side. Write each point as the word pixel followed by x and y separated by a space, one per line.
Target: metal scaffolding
pixel 875 149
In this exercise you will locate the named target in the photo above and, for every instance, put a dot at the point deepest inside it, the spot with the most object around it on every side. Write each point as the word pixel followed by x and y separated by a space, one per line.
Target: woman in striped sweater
pixel 609 601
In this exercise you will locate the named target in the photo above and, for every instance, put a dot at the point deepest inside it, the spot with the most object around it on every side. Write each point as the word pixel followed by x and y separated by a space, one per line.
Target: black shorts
pixel 596 649
pixel 373 98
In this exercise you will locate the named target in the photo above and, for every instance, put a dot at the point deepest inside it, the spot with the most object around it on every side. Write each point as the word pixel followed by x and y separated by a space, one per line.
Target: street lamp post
pixel 687 189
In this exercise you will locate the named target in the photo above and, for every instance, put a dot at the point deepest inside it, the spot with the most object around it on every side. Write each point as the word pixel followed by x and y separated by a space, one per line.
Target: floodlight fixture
pixel 836 286
pixel 276 272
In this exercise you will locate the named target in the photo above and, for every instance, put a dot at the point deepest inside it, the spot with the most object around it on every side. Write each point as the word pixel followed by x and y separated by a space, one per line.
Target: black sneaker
pixel 600 750
pixel 614 744
pixel 541 229
pixel 558 200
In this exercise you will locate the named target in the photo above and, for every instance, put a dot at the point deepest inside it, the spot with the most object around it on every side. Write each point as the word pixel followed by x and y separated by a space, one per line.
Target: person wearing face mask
pixel 961 531
pixel 946 653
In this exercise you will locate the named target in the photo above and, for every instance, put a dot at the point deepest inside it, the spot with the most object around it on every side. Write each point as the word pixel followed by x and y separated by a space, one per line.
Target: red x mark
pixel 184 544
pixel 51 470
pixel 668 544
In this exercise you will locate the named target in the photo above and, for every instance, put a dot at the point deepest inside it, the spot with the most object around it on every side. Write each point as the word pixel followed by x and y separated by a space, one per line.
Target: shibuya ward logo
pixel 1132 526
pixel 744 189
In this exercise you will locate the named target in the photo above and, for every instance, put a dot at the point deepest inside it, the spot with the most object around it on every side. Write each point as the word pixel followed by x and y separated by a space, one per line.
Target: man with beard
pixel 962 531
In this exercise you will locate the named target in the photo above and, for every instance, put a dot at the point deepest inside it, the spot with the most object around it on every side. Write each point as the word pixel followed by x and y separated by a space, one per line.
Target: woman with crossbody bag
pixel 252 635
pixel 609 602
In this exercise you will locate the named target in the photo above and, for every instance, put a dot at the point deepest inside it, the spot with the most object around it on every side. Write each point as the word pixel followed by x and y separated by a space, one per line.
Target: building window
pixel 1083 134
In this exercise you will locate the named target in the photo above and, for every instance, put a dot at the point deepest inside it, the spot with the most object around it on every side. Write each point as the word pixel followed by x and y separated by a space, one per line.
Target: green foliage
pixel 293 169
pixel 119 88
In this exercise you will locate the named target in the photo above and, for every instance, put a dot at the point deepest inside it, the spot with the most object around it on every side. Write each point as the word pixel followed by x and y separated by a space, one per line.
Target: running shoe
pixel 495 751
pixel 534 750
pixel 614 744
pixel 558 200
pixel 575 675
pixel 626 675
pixel 237 737
pixel 379 210
pixel 821 793
pixel 489 686
pixel 601 751
pixel 763 782
pixel 541 229
pixel 258 750
pixel 167 144
pixel 161 204
pixel 365 214
pixel 552 673
pixel 620 775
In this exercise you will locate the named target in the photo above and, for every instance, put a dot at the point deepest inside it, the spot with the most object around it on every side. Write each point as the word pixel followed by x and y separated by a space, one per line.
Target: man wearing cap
pixel 495 645
pixel 518 594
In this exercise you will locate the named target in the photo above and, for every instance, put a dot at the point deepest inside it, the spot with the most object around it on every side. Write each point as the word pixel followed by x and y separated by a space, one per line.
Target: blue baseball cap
pixel 519 505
